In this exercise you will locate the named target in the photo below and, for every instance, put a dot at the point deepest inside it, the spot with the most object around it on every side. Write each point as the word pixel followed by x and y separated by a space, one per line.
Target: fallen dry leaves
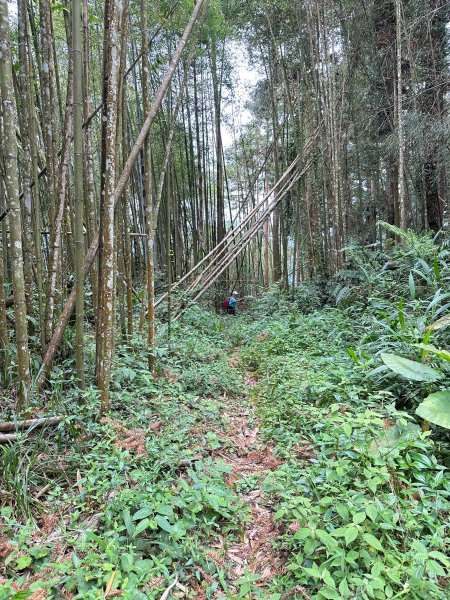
pixel 132 440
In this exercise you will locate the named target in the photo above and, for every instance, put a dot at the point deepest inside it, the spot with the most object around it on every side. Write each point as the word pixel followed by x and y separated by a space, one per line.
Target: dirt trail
pixel 249 455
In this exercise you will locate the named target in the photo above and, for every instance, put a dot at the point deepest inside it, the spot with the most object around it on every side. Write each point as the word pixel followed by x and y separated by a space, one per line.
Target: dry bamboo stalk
pixel 246 239
pixel 16 425
pixel 234 232
pixel 274 202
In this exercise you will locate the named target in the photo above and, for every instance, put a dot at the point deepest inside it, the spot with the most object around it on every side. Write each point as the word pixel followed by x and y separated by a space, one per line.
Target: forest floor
pixel 255 464
pixel 254 555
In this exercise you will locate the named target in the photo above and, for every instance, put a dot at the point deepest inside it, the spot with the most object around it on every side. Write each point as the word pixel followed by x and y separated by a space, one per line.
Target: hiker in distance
pixel 231 302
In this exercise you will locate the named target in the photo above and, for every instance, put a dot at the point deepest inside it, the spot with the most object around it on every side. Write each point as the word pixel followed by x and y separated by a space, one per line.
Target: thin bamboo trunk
pixel 11 182
pixel 92 251
pixel 78 176
pixel 399 107
pixel 106 322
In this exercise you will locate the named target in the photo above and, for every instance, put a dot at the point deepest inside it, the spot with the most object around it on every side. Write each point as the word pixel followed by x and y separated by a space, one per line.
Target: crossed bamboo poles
pixel 238 238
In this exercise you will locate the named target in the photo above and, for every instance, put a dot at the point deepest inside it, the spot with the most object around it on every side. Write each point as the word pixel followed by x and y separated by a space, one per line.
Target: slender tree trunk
pixel 149 208
pixel 401 136
pixel 11 180
pixel 24 81
pixel 88 169
pixel 111 73
pixel 3 249
pixel 78 176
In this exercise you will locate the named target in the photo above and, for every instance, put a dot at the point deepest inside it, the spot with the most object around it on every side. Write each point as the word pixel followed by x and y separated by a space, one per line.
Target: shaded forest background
pixel 113 164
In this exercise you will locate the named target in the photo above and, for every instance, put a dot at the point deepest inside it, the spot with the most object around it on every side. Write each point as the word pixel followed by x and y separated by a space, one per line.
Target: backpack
pixel 226 303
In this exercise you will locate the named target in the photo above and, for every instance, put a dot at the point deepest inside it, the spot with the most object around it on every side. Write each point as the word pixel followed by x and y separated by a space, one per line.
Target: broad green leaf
pixel 372 512
pixel 142 526
pixel 329 593
pixel 164 509
pixel 312 571
pixel 410 369
pixel 342 511
pixel 339 532
pixel 126 561
pixel 351 534
pixel 347 429
pixel 326 538
pixel 436 409
pixel 128 522
pixel 359 518
pixel 440 556
pixel 163 523
pixel 326 576
pixel 142 513
pixel 24 561
pixel 434 568
pixel 373 541
pixel 96 538
pixel 344 589
pixel 302 534
pixel 419 547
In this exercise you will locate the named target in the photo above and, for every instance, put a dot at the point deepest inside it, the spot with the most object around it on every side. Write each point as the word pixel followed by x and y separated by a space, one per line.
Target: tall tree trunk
pixel 149 207
pixel 11 180
pixel 88 169
pixel 24 81
pixel 276 249
pixel 399 107
pixel 106 322
pixel 78 176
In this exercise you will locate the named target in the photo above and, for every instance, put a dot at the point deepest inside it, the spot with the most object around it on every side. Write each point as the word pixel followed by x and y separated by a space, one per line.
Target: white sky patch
pixel 244 76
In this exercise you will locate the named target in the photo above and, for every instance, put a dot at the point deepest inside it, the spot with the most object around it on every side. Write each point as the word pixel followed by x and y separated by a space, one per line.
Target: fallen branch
pixel 8 437
pixel 17 425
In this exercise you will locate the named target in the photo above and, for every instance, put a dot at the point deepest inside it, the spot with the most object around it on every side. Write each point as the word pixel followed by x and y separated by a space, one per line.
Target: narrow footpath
pixel 254 559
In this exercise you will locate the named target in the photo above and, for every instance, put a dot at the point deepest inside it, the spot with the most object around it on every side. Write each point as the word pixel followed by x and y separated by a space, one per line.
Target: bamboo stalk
pixel 27 423
pixel 123 180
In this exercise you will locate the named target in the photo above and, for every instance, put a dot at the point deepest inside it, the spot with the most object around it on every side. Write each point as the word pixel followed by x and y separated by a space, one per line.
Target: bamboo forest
pixel 224 299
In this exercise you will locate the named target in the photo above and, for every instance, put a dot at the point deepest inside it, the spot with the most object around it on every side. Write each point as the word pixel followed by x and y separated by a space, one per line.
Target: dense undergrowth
pixel 363 499
pixel 361 494
pixel 126 503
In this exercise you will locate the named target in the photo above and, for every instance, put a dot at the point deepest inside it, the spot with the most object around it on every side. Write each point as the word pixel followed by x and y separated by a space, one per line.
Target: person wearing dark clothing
pixel 232 302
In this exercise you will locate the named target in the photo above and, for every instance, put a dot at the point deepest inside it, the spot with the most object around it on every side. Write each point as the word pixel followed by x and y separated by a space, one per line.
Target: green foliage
pixel 410 369
pixel 360 494
pixel 305 298
pixel 135 503
pixel 359 491
pixel 436 408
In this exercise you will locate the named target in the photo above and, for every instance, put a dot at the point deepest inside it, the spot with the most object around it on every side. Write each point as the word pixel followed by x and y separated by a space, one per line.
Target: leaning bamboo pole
pixel 222 248
pixel 249 235
pixel 247 238
pixel 224 252
pixel 233 233
pixel 226 241
pixel 123 180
